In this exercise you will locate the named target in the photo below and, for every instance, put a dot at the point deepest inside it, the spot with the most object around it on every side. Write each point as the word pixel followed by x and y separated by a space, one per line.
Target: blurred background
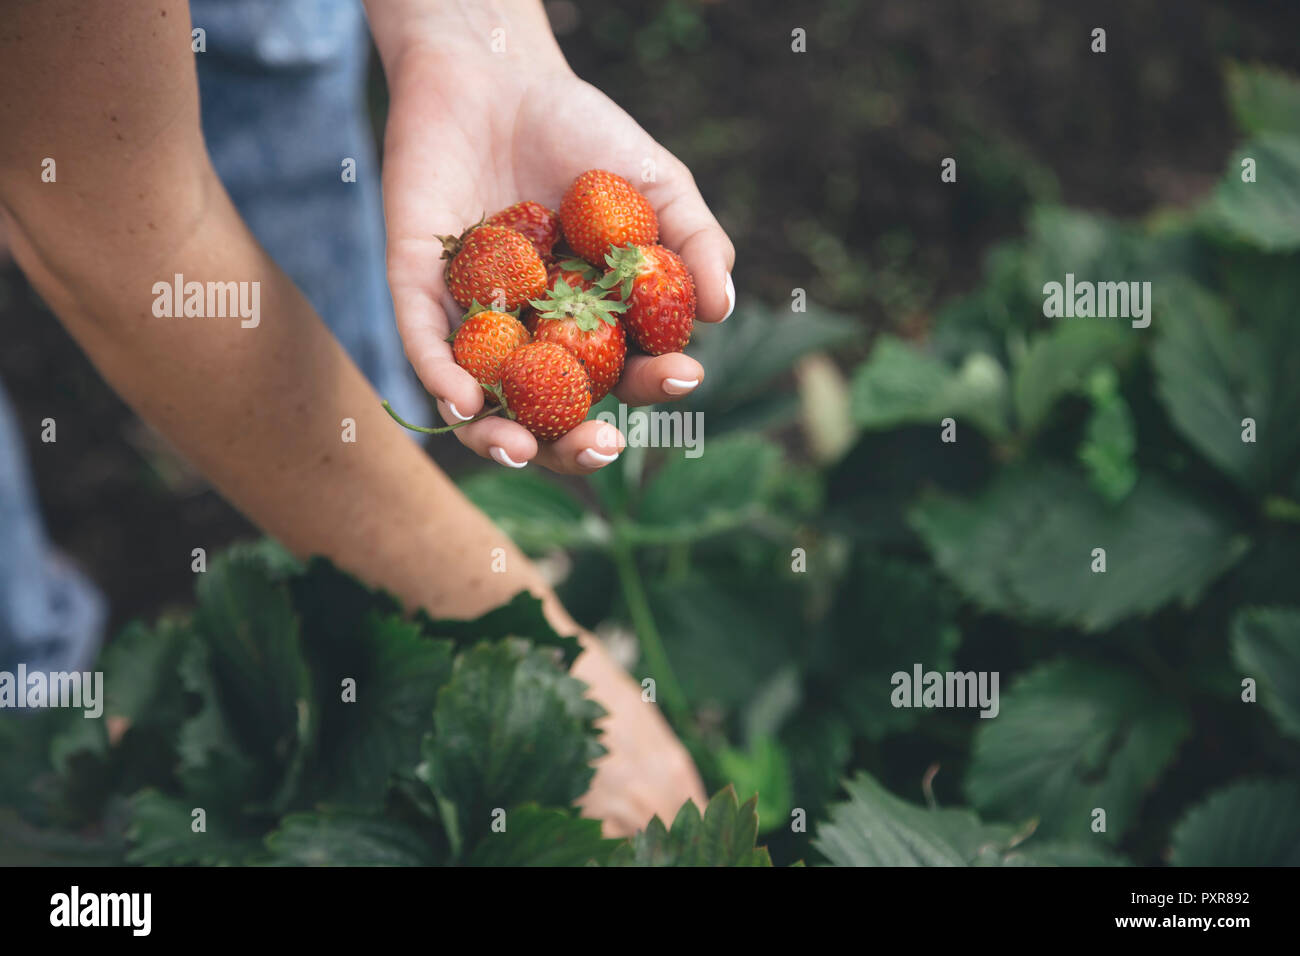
pixel 821 427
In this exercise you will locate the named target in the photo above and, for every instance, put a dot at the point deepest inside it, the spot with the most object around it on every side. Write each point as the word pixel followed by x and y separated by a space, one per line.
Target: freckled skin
pixel 602 209
pixel 545 389
pixel 495 258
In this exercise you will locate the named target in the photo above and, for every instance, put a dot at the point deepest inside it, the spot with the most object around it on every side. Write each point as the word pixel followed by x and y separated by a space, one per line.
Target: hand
pixel 470 132
pixel 647 771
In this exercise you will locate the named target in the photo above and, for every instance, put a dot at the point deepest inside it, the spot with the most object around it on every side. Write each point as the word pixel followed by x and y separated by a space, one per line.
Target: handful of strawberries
pixel 546 335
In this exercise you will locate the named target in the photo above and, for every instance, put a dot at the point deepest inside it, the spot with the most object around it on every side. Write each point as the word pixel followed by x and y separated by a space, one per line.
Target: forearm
pixel 261 411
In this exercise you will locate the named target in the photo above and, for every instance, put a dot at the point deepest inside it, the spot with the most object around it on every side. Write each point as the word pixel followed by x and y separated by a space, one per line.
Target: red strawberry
pixel 660 296
pixel 584 322
pixel 493 264
pixel 545 389
pixel 601 209
pixel 483 340
pixel 540 225
pixel 578 274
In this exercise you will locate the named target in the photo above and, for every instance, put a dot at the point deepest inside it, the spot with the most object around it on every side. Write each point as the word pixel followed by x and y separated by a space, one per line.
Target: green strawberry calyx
pixel 586 307
pixel 625 263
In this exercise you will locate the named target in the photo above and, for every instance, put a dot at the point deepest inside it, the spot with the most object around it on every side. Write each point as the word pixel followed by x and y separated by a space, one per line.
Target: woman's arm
pixel 108 92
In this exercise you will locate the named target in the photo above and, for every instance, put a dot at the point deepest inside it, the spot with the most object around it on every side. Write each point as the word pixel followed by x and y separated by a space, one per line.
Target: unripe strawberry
pixel 493 265
pixel 585 322
pixel 601 209
pixel 483 340
pixel 541 226
pixel 545 389
pixel 660 296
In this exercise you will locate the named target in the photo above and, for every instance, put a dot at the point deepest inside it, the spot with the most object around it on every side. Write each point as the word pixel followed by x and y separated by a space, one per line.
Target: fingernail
pixel 590 458
pixel 680 386
pixel 501 458
pixel 731 298
pixel 456 411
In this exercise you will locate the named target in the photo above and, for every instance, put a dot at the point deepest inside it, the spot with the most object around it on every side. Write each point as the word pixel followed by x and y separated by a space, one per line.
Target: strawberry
pixel 544 388
pixel 483 340
pixel 578 274
pixel 583 321
pixel 601 209
pixel 659 292
pixel 493 264
pixel 540 225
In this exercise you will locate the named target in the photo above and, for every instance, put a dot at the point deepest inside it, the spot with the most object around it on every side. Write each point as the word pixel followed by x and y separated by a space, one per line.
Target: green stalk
pixel 669 692
pixel 438 431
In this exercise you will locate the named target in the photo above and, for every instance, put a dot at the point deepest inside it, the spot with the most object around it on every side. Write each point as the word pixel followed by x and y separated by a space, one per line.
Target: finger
pixel 501 440
pixel 651 379
pixel 423 328
pixel 588 448
pixel 688 228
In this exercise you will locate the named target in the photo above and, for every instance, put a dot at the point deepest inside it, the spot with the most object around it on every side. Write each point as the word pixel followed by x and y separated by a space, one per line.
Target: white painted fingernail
pixel 731 298
pixel 680 386
pixel 590 458
pixel 501 458
pixel 456 411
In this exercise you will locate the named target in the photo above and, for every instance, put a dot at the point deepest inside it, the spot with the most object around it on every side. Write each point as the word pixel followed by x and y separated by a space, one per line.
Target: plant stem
pixel 1279 508
pixel 438 431
pixel 643 622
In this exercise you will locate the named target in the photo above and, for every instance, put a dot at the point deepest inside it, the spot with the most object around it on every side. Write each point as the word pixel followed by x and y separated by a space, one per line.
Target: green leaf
pixel 715 491
pixel 543 837
pixel 763 771
pixel 362 742
pixel 161 833
pixel 724 836
pixel 1264 99
pixel 756 346
pixel 901 385
pixel 346 839
pixel 1071 737
pixel 724 613
pixel 215 763
pixel 521 616
pixel 537 513
pixel 1212 374
pixel 1110 439
pixel 889 614
pixel 511 728
pixel 248 625
pixel 142 675
pixel 1264 213
pixel 1058 363
pixel 1025 547
pixel 1266 646
pixel 1249 823
pixel 875 828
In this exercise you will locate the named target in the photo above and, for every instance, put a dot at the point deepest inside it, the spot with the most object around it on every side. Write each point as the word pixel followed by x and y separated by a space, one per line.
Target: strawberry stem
pixel 444 429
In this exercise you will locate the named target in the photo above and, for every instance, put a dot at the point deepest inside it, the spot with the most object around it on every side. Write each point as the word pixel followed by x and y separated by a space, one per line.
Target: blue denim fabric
pixel 282 84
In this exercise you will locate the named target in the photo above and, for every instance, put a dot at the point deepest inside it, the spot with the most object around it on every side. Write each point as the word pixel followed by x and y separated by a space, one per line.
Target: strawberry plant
pixel 300 718
pixel 827 537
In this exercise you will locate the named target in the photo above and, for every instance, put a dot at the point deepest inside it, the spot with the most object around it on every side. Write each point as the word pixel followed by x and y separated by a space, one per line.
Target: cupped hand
pixel 471 132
